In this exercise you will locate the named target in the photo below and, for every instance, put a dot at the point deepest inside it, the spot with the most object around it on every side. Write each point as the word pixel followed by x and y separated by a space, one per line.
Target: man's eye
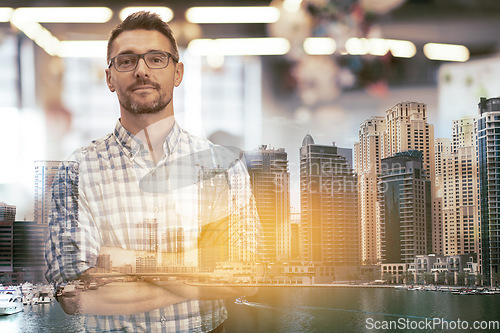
pixel 158 59
pixel 125 61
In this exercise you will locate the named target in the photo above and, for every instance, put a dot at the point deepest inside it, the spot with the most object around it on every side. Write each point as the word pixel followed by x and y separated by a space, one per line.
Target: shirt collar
pixel 132 144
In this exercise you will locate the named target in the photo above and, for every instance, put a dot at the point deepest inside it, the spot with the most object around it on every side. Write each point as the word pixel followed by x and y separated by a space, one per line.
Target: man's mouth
pixel 143 87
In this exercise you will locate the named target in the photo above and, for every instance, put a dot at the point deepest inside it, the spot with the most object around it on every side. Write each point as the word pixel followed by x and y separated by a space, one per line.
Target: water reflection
pixel 302 309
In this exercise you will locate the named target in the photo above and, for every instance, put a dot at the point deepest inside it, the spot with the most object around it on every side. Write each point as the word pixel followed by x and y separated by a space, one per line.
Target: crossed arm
pixel 123 298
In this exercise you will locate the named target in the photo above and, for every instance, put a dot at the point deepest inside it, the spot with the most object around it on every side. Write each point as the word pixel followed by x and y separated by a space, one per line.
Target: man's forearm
pixel 120 298
pixel 206 291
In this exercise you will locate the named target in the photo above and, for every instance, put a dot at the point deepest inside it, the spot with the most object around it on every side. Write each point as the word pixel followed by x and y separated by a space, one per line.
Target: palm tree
pixel 428 277
pixel 407 277
pixel 496 279
pixel 387 277
pixel 441 278
pixel 461 278
pixel 479 279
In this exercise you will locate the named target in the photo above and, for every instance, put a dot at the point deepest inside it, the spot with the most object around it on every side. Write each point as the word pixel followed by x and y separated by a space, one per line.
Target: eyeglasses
pixel 154 60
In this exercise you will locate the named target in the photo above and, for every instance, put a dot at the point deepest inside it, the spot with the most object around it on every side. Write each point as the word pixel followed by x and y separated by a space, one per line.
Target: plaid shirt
pixel 121 192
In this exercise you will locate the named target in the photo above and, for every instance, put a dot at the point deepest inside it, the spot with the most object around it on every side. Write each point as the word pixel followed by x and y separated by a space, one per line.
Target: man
pixel 150 195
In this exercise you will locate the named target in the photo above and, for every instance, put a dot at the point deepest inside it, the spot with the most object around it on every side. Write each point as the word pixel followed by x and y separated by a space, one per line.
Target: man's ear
pixel 109 80
pixel 179 73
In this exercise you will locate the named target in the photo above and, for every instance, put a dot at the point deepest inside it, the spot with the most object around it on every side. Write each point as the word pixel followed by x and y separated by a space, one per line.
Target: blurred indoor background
pixel 268 74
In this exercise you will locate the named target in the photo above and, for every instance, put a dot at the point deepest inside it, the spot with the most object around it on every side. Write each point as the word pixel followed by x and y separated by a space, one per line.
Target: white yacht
pixel 11 302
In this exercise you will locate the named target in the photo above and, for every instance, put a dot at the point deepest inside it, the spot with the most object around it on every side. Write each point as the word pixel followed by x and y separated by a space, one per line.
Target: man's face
pixel 143 90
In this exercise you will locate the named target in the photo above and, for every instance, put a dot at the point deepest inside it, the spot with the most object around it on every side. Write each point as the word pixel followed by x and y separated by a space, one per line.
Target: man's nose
pixel 142 69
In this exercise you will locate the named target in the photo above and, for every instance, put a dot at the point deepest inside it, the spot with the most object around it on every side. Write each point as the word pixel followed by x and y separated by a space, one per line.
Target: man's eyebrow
pixel 132 52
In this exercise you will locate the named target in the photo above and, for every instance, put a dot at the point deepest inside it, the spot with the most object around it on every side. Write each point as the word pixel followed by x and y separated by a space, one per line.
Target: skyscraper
pixel 442 147
pixel 460 205
pixel 29 251
pixel 329 219
pixel 488 138
pixel 7 216
pixel 214 221
pixel 405 208
pixel 367 154
pixel 45 171
pixel 407 129
pixel 270 179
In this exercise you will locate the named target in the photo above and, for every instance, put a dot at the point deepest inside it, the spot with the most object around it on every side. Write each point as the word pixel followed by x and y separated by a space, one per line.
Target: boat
pixel 11 302
pixel 241 300
pixel 466 292
pixel 44 294
pixel 485 291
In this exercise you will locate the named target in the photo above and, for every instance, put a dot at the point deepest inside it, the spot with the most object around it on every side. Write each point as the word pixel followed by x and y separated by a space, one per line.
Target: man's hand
pixel 70 300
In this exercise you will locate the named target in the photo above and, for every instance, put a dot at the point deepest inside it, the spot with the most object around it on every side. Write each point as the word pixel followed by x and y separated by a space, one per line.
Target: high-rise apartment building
pixel 460 204
pixel 294 234
pixel 405 208
pixel 488 139
pixel 407 129
pixel 270 179
pixel 403 128
pixel 147 235
pixel 244 249
pixel 45 171
pixel 442 147
pixel 7 217
pixel 328 199
pixel 22 247
pixel 214 221
pixel 29 251
pixel 367 155
pixel 172 247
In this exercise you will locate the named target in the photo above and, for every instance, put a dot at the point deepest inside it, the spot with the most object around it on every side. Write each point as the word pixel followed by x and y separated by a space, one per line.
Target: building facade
pixel 488 140
pixel 460 188
pixel 442 147
pixel 7 217
pixel 329 219
pixel 367 154
pixel 270 179
pixel 404 208
pixel 29 251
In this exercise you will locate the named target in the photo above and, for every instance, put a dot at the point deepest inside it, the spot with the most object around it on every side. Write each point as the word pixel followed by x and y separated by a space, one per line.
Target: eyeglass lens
pixel 128 62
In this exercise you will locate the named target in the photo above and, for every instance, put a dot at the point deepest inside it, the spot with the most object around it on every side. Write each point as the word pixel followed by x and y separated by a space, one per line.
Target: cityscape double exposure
pixel 265 166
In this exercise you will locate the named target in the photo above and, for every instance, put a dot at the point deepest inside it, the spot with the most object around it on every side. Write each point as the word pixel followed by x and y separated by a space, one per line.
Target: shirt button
pixel 155 209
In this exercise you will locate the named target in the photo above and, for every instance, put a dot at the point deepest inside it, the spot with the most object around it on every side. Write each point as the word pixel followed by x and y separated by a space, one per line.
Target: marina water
pixel 306 309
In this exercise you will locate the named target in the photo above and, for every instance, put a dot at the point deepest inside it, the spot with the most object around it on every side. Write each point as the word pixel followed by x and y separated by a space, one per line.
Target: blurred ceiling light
pixel 402 48
pixel 83 48
pixel 356 46
pixel 64 14
pixel 319 45
pixel 446 52
pixel 233 14
pixel 165 13
pixel 292 6
pixel 5 13
pixel 380 47
pixel 239 46
pixel 41 36
pixel 215 61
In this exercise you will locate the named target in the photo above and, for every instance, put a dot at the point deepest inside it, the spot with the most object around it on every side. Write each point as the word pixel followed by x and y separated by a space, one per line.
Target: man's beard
pixel 135 107
pixel 149 107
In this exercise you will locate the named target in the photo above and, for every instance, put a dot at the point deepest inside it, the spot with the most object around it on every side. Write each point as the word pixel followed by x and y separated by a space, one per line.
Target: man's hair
pixel 147 21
